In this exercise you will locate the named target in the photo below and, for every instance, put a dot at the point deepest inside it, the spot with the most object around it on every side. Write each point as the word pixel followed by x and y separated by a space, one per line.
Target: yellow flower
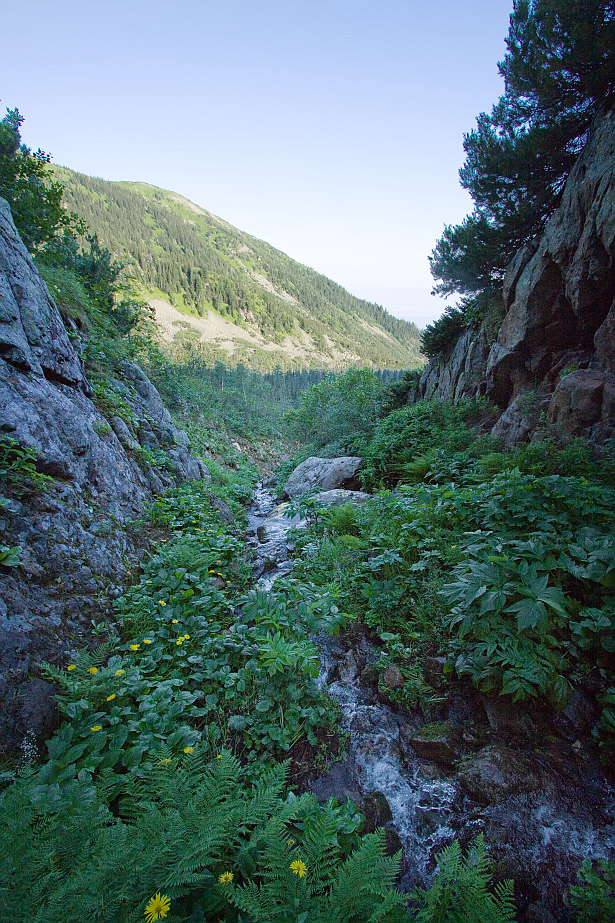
pixel 135 647
pixel 161 602
pixel 147 641
pixel 179 641
pixel 166 761
pixel 174 621
pixel 188 749
pixel 157 908
pixel 71 667
pixel 93 670
pixel 120 672
pixel 298 868
pixel 225 878
pixel 110 698
pixel 97 727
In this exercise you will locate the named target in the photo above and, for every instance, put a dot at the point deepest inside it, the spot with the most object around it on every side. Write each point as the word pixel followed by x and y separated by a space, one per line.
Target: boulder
pixel 337 497
pixel 392 677
pixel 324 473
pixel 577 399
pixel 496 772
pixel 433 671
pixel 438 741
pixel 376 810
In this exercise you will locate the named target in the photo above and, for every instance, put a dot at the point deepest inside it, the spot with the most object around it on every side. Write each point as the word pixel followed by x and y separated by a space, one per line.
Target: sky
pixel 333 129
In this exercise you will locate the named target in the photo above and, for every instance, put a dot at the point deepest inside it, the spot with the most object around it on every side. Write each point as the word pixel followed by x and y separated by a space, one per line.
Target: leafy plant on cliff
pixel 27 185
pixel 18 471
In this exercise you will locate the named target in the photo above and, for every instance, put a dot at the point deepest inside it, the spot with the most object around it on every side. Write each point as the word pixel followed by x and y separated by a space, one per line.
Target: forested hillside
pixel 278 312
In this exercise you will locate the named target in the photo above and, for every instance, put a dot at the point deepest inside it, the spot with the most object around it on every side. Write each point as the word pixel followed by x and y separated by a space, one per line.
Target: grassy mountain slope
pixel 231 294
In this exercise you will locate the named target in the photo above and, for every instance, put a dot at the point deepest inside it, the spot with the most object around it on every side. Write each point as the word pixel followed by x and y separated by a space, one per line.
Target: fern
pixel 460 892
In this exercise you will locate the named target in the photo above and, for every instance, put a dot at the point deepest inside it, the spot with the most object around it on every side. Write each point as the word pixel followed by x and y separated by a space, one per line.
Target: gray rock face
pixel 559 295
pixel 78 544
pixel 459 374
pixel 325 473
pixel 32 335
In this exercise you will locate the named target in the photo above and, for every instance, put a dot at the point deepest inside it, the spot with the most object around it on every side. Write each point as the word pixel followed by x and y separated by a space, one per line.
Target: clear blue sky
pixel 330 128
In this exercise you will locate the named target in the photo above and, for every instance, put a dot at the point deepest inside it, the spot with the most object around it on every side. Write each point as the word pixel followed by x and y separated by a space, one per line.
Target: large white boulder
pixel 323 473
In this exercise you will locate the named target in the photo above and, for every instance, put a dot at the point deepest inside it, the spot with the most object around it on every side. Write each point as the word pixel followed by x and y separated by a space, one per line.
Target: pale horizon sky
pixel 331 129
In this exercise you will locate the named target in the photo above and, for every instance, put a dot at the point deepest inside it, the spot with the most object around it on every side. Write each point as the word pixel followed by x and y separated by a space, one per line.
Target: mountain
pixel 230 295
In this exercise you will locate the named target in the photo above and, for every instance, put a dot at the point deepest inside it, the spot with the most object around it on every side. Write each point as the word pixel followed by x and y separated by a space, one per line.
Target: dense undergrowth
pixel 167 776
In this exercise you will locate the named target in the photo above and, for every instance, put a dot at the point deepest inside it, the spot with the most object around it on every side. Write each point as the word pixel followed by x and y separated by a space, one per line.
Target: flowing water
pixel 549 830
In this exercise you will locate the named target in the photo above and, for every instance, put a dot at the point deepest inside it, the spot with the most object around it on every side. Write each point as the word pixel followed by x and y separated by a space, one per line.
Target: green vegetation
pixel 18 471
pixel 504 565
pixel 164 782
pixel 558 70
pixel 26 184
pixel 200 263
pixel 460 893
pixel 594 897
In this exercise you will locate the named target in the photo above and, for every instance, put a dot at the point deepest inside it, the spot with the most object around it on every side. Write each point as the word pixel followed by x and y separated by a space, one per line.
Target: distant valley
pixel 230 296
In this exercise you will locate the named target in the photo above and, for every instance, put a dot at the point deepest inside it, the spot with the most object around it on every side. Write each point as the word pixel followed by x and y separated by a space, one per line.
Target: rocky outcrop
pixel 557 339
pixel 323 473
pixel 78 536
pixel 459 374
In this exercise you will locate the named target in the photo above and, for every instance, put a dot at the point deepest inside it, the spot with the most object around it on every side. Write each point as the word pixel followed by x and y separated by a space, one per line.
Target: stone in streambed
pixel 393 677
pixel 496 772
pixel 433 671
pixel 438 741
pixel 376 810
pixel 326 473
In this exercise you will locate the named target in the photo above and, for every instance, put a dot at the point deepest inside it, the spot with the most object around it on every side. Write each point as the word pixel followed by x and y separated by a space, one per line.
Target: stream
pixel 538 833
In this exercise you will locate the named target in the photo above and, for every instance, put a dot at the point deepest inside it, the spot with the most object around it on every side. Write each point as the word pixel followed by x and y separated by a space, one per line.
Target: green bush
pixel 341 411
pixel 441 335
pixel 409 437
pixel 18 472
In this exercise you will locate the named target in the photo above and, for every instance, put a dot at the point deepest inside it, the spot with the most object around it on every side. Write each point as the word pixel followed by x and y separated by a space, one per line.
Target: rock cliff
pixel 557 339
pixel 78 537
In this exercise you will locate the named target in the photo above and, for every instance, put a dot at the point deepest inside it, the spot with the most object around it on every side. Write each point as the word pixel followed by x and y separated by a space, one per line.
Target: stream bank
pixel 521 778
